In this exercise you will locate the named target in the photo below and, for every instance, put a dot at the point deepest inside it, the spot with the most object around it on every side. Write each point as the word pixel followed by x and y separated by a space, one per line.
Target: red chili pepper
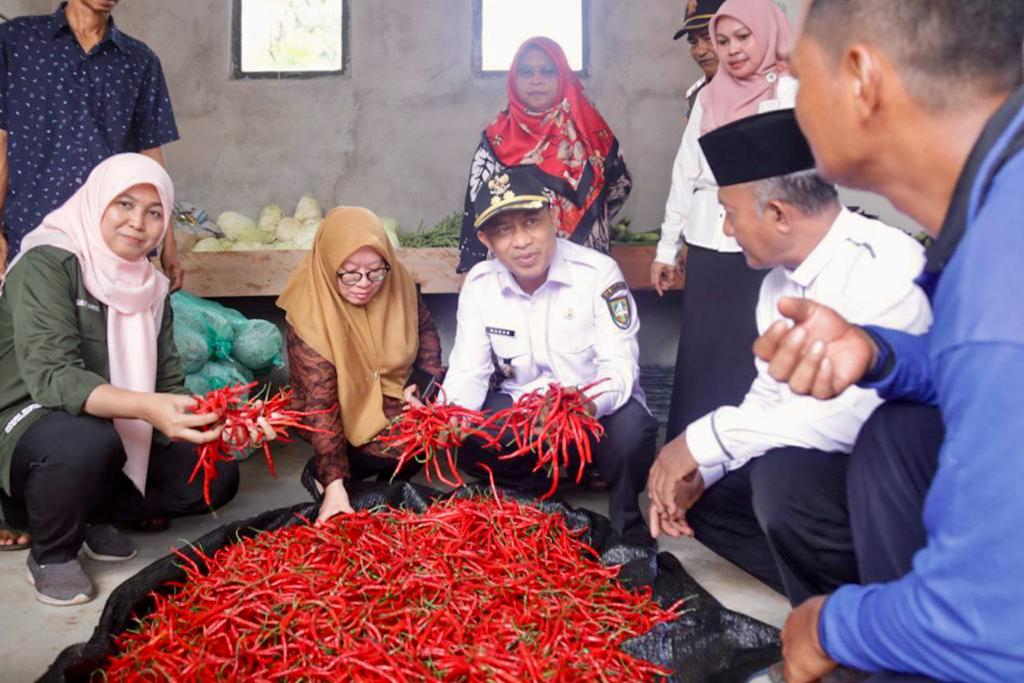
pixel 468 590
pixel 245 425
pixel 552 424
pixel 422 433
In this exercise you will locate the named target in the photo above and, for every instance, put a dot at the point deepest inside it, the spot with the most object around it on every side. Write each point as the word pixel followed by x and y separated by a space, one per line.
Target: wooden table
pixel 265 273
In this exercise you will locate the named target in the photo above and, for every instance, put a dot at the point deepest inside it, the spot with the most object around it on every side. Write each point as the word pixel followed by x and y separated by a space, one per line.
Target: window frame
pixel 478 39
pixel 236 51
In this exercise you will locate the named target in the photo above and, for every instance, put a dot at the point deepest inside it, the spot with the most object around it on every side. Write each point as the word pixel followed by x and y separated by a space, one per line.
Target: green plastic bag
pixel 258 345
pixel 193 351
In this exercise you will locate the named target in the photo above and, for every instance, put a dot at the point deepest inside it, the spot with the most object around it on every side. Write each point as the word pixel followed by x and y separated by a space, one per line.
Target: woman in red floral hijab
pixel 550 124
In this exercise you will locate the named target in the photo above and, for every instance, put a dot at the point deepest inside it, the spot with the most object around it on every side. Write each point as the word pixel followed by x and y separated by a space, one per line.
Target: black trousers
pixel 66 472
pixel 783 518
pixel 718 326
pixel 891 469
pixel 623 457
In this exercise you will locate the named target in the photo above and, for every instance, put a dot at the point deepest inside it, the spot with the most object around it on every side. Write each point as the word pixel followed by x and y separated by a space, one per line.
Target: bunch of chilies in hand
pixel 554 424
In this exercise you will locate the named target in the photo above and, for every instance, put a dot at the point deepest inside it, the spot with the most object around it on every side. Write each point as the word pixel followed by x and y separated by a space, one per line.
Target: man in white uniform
pixel 697 14
pixel 546 310
pixel 764 483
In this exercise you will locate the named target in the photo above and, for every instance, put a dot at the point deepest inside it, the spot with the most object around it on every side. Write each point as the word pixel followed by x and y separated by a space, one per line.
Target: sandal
pixel 8 534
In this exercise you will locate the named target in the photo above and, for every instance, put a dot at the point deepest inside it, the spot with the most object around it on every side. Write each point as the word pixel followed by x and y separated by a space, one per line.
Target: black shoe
pixel 104 543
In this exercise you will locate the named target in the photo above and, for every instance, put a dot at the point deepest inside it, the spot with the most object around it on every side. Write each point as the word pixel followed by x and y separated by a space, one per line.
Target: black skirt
pixel 715 363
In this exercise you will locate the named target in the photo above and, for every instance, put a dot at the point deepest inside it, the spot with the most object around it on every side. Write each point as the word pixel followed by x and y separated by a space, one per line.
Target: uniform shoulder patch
pixel 620 305
pixel 614 290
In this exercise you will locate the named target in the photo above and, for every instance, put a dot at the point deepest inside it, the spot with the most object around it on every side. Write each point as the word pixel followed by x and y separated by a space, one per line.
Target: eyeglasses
pixel 531 71
pixel 354 277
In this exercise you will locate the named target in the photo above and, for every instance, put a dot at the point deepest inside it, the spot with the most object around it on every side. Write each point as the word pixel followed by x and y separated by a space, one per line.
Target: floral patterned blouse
pixel 314 380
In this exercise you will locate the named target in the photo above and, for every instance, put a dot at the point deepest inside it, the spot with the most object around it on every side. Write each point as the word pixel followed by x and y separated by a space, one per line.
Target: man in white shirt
pixel 764 483
pixel 697 16
pixel 546 310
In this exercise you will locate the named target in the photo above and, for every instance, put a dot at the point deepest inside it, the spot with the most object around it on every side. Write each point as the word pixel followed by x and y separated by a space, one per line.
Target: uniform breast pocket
pixel 572 339
pixel 92 325
pixel 508 349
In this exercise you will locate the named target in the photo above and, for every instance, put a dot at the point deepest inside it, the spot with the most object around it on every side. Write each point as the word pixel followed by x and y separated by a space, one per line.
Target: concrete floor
pixel 32 634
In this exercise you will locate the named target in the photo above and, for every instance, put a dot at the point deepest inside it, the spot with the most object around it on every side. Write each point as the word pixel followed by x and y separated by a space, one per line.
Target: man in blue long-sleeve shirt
pixel 921 100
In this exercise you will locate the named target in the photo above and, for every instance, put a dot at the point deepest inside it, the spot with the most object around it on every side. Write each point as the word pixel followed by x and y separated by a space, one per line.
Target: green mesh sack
pixel 258 345
pixel 197 385
pixel 216 323
pixel 193 351
pixel 220 374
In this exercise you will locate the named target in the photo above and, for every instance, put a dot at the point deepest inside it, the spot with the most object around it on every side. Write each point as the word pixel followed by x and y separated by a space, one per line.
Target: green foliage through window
pixel 289 36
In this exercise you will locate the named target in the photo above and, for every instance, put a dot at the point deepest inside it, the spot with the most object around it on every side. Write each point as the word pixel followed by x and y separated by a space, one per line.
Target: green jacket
pixel 53 346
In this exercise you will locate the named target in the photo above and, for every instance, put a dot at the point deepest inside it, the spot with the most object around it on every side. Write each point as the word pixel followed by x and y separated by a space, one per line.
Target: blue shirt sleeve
pixel 153 123
pixel 909 376
pixel 957 614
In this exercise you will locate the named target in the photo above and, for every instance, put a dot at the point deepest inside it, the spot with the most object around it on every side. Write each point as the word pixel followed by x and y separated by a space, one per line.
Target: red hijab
pixel 570 141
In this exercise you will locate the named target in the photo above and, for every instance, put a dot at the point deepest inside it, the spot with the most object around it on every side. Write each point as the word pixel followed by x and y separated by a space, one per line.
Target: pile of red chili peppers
pixel 423 433
pixel 553 424
pixel 468 591
pixel 247 423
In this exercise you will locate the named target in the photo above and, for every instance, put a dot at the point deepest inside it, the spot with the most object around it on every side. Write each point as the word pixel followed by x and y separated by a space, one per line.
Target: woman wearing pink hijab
pixel 714 363
pixel 91 391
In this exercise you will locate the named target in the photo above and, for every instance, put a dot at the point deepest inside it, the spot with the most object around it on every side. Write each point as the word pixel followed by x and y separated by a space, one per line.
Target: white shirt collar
pixel 816 262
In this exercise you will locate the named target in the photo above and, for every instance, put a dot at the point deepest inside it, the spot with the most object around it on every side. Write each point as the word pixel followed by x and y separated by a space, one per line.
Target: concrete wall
pixel 396 133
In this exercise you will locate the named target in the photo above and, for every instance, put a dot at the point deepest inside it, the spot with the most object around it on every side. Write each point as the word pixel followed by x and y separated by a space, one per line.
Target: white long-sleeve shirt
pixel 578 327
pixel 864 270
pixel 692 210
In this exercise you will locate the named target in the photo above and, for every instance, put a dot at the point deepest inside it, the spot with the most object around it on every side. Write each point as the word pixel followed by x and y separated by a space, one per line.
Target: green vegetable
pixel 248 245
pixel 622 235
pixel 288 229
pixel 270 217
pixel 307 208
pixel 390 226
pixel 307 233
pixel 208 244
pixel 239 228
pixel 445 234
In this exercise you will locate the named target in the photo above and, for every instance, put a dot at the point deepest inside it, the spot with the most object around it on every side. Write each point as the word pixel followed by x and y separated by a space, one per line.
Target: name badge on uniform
pixel 619 304
pixel 501 332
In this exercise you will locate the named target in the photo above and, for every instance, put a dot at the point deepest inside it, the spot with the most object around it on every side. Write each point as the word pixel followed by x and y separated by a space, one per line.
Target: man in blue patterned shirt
pixel 74 90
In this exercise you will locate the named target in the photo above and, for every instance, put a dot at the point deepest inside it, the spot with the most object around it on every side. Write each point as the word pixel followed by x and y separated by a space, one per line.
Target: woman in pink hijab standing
pixel 714 363
pixel 94 419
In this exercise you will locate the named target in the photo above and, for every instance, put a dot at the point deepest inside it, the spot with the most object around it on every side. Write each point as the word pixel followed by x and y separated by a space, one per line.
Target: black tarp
pixel 707 644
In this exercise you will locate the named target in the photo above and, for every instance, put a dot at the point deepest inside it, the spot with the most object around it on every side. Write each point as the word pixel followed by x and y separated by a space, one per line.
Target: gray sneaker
pixel 104 543
pixel 59 583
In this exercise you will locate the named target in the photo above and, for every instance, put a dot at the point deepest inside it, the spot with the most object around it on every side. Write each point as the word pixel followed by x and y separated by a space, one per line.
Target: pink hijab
pixel 133 291
pixel 728 98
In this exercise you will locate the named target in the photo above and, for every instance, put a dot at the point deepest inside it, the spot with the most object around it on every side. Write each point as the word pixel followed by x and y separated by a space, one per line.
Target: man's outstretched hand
pixel 821 354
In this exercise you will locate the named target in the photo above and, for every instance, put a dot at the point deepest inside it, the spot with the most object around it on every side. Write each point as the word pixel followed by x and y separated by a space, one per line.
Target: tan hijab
pixel 373 346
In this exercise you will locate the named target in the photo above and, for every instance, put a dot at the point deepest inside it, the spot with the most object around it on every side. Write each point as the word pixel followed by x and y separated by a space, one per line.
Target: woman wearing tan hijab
pixel 356 329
